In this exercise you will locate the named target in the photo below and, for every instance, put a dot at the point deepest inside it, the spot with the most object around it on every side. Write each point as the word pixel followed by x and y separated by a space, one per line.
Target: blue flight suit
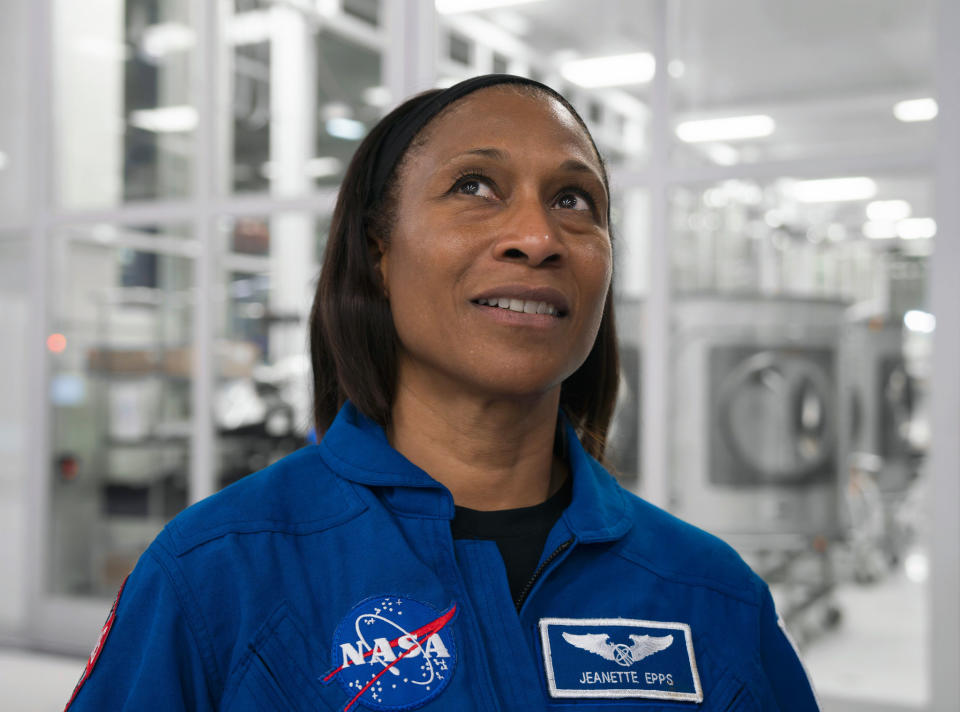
pixel 287 591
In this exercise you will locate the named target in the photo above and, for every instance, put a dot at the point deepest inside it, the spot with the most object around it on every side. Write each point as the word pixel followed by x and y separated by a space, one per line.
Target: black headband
pixel 395 141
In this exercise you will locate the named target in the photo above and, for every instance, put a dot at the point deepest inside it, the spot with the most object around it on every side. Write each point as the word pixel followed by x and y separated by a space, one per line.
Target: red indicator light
pixel 56 343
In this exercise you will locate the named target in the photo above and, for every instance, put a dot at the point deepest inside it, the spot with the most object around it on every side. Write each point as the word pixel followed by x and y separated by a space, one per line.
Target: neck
pixel 491 453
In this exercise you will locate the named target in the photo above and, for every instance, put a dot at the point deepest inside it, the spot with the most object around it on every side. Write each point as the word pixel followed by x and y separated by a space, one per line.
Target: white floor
pixel 877 653
pixel 33 682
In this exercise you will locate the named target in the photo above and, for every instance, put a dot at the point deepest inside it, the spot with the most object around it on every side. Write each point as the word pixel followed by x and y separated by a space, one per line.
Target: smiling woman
pixel 453 541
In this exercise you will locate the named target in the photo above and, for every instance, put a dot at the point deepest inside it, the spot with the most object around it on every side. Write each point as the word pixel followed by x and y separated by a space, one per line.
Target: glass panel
pixel 801 353
pixel 262 405
pixel 120 403
pixel 304 88
pixel 630 215
pixel 124 118
pixel 14 34
pixel 751 63
pixel 550 40
pixel 14 383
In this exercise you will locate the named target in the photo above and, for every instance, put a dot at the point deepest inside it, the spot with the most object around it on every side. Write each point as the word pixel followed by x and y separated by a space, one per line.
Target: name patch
pixel 393 653
pixel 619 657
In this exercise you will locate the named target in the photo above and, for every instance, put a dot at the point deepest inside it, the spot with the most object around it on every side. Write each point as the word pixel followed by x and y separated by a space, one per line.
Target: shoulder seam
pixel 206 653
pixel 687 580
pixel 185 543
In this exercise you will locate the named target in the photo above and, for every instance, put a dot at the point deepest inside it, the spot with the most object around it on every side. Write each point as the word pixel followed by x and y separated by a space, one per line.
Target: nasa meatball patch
pixel 393 653
pixel 619 658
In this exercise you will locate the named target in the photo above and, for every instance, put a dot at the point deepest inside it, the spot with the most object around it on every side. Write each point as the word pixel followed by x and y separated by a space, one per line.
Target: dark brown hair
pixel 353 343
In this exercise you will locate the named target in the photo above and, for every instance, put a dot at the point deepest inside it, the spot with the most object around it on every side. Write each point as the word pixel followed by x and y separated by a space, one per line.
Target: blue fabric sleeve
pixel 150 659
pixel 789 684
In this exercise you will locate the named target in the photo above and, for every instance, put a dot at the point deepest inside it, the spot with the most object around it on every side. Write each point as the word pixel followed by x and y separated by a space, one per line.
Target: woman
pixel 451 544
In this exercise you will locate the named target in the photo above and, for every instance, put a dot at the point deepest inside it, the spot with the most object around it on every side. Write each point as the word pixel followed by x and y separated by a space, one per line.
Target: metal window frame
pixel 410 64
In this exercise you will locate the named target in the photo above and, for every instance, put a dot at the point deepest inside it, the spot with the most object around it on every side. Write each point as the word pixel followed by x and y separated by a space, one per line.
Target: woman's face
pixel 499 261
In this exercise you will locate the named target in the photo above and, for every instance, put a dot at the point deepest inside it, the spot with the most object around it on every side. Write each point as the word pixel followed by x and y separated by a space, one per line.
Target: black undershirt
pixel 520 534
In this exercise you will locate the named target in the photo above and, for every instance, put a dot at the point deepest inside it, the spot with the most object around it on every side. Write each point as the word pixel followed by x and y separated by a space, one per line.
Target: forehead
pixel 507 117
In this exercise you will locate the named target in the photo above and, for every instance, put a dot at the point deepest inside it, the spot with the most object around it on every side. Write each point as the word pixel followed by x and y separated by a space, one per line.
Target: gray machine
pixel 882 398
pixel 757 448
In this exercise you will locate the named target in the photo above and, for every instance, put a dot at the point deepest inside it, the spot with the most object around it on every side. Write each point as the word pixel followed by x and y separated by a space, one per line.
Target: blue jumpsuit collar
pixel 357 448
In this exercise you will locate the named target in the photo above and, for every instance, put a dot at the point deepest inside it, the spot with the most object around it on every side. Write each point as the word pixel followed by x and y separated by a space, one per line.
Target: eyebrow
pixel 571 164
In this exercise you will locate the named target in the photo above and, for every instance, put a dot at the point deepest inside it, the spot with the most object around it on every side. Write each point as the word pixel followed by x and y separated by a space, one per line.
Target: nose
pixel 529 235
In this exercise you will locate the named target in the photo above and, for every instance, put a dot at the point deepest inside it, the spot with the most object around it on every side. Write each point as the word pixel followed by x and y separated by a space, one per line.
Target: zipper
pixel 518 604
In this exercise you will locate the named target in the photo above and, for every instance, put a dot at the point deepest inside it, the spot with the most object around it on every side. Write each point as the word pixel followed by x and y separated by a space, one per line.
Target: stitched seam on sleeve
pixel 689 580
pixel 182 592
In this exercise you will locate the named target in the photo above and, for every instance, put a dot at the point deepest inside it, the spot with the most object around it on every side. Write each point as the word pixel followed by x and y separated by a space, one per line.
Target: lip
pixel 553 297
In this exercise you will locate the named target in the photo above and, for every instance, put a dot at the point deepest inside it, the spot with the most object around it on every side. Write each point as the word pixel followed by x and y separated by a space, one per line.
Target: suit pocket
pixel 279 672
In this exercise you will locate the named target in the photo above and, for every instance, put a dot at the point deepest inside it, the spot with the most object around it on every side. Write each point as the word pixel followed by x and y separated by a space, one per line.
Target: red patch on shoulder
pixel 98 648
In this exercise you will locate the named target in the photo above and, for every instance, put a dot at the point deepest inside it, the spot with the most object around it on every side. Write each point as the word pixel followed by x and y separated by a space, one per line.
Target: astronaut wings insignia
pixel 599 643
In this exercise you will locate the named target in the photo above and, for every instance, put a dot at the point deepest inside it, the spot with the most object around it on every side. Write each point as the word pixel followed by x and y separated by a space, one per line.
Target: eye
pixel 474 184
pixel 573 200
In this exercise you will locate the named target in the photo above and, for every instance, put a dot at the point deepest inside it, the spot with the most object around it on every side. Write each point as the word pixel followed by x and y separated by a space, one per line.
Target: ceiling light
pixel 676 68
pixel 833 190
pixel 165 119
pixel 734 127
pixel 614 70
pixel 888 210
pixel 349 129
pixel 251 27
pixel 723 154
pixel 880 229
pixel 917 228
pixel 378 96
pixel 916 320
pixel 916 109
pixel 3 160
pixel 449 7
pixel 166 38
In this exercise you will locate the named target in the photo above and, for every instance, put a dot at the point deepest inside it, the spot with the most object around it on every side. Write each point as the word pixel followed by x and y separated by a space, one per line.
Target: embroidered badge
pixel 393 653
pixel 619 657
pixel 98 648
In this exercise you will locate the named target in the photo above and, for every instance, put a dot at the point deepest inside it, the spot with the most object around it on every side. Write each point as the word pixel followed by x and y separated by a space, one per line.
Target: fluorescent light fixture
pixel 921 321
pixel 323 167
pixel 449 7
pixel 729 129
pixel 251 27
pixel 613 70
pixel 834 190
pixel 165 119
pixel 378 96
pixel 723 154
pixel 888 210
pixel 4 161
pixel 917 228
pixel 916 109
pixel 349 129
pixel 880 229
pixel 166 38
